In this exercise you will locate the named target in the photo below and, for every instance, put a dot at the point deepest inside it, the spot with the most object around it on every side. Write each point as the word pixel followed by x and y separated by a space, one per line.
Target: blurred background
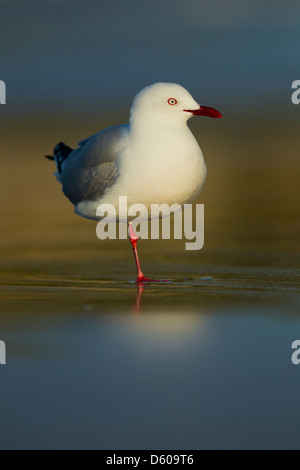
pixel 153 379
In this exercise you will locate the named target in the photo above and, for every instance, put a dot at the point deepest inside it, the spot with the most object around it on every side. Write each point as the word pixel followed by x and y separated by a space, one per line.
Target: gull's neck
pixel 145 124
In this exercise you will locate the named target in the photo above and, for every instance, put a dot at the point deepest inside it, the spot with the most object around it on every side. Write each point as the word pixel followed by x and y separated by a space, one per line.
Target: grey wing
pixel 91 169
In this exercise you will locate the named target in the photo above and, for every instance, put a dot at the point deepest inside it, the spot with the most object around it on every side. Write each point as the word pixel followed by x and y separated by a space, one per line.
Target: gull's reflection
pixel 159 331
pixel 140 290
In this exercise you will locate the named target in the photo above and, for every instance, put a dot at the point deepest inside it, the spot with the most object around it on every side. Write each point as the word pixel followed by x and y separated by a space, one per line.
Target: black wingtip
pixel 61 153
pixel 59 146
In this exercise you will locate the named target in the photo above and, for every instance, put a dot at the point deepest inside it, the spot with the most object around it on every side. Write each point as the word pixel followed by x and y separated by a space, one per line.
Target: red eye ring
pixel 172 101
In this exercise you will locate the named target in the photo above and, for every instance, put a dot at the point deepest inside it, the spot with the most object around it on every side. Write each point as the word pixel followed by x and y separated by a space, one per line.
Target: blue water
pixel 204 364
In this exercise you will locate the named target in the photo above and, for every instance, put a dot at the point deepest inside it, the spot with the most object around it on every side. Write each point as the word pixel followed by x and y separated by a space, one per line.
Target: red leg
pixel 134 239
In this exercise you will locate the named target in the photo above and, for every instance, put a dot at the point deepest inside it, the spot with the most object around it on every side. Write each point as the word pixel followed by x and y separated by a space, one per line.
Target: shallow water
pixel 203 361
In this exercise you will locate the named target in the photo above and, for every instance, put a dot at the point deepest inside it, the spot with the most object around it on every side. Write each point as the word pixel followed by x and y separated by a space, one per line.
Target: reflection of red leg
pixel 140 290
pixel 134 239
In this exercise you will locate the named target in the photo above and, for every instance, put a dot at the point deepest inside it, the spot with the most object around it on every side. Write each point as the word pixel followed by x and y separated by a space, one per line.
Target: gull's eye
pixel 172 101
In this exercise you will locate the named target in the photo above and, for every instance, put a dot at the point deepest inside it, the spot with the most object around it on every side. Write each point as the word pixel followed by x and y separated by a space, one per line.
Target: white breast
pixel 158 166
pixel 166 167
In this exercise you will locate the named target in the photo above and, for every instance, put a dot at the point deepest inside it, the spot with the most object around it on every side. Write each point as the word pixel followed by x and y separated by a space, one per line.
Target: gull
pixel 153 159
